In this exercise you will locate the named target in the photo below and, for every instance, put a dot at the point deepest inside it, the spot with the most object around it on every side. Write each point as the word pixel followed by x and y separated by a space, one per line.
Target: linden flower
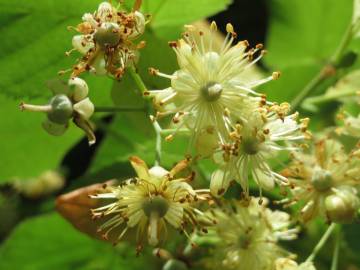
pixel 287 264
pixel 325 182
pixel 246 236
pixel 210 88
pixel 151 201
pixel 69 102
pixel 254 142
pixel 106 40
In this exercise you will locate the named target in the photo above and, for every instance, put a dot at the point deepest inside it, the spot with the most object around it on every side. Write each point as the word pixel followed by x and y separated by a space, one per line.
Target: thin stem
pixel 157 129
pixel 335 259
pixel 35 108
pixel 118 109
pixel 322 242
pixel 137 79
pixel 165 132
pixel 321 75
pixel 307 89
pixel 330 96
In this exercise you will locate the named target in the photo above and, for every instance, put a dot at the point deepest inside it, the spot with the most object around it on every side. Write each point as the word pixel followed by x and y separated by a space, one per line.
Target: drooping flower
pixel 255 141
pixel 106 40
pixel 288 264
pixel 325 181
pixel 247 236
pixel 70 101
pixel 210 90
pixel 151 201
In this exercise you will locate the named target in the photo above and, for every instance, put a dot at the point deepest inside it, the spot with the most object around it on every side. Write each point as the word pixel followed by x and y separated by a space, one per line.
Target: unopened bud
pixel 342 207
pixel 79 89
pixel 61 109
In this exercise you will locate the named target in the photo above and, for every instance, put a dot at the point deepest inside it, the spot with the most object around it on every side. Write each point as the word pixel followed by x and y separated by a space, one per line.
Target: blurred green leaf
pixel 303 35
pixel 49 242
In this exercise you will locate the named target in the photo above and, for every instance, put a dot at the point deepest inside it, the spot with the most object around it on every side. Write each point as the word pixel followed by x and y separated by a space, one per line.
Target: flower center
pixel 244 241
pixel 321 180
pixel 250 146
pixel 211 91
pixel 157 205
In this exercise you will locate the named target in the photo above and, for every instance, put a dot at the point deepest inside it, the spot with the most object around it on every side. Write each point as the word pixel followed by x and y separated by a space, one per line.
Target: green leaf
pixel 302 36
pixel 49 242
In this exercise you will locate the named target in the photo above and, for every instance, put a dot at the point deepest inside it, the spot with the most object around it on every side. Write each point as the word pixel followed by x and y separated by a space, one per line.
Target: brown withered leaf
pixel 75 207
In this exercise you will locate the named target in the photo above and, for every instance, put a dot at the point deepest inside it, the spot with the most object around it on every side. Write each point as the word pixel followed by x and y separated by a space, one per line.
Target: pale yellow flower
pixel 247 236
pixel 210 89
pixel 255 142
pixel 325 182
pixel 151 201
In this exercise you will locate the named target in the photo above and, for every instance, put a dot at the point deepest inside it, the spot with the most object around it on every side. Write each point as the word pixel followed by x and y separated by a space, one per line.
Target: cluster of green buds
pixel 106 40
pixel 70 102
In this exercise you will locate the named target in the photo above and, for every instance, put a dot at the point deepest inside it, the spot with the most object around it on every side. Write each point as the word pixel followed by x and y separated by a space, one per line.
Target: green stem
pixel 335 259
pixel 165 132
pixel 331 96
pixel 118 109
pixel 322 242
pixel 137 79
pixel 321 75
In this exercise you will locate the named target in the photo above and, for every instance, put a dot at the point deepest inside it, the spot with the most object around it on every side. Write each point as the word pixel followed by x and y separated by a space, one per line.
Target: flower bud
pixel 174 265
pixel 219 183
pixel 99 65
pixel 85 108
pixel 342 207
pixel 139 27
pixel 79 89
pixel 61 109
pixel 107 34
pixel 81 44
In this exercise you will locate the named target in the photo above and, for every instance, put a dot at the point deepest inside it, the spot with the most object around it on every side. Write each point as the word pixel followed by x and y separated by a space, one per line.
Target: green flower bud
pixel 174 265
pixel 99 65
pixel 107 34
pixel 61 109
pixel 342 207
pixel 79 89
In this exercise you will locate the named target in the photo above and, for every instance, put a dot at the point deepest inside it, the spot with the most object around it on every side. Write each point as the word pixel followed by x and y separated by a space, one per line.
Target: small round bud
pixel 107 34
pixel 342 207
pixel 81 44
pixel 85 108
pixel 61 109
pixel 139 26
pixel 321 179
pixel 79 89
pixel 174 265
pixel 99 65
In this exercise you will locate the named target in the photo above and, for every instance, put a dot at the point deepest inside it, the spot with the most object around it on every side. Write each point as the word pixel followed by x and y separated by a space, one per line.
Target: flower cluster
pixel 325 181
pixel 151 201
pixel 246 236
pixel 106 40
pixel 70 101
pixel 211 96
